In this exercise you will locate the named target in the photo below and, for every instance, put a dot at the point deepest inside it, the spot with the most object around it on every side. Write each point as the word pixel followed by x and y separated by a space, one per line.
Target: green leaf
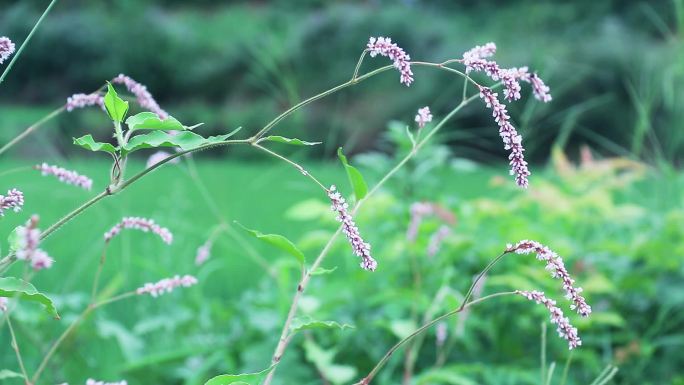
pixel 240 379
pixel 89 143
pixel 186 140
pixel 6 373
pixel 150 121
pixel 278 241
pixel 355 177
pixel 116 107
pixel 293 141
pixel 307 323
pixel 322 271
pixel 13 240
pixel 14 287
pixel 324 361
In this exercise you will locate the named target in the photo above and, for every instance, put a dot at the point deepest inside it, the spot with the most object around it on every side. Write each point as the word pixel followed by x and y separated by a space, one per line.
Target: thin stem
pixel 25 43
pixel 294 164
pixel 367 380
pixel 71 328
pixel 552 367
pixel 566 369
pixel 96 280
pixel 479 277
pixel 543 352
pixel 15 346
pixel 73 214
pixel 30 129
pixel 358 64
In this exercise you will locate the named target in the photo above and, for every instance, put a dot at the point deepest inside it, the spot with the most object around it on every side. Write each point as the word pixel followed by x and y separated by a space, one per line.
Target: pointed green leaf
pixel 306 323
pixel 150 121
pixel 186 140
pixel 116 107
pixel 89 143
pixel 355 177
pixel 13 240
pixel 293 141
pixel 278 241
pixel 322 271
pixel 240 379
pixel 11 287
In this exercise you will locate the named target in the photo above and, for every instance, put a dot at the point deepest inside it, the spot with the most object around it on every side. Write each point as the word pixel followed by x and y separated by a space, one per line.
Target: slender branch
pixel 480 276
pixel 100 266
pixel 25 43
pixel 358 64
pixel 367 380
pixel 15 346
pixel 31 128
pixel 294 164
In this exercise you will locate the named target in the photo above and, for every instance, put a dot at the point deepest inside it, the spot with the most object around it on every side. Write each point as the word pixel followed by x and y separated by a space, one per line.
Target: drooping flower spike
pixel 203 253
pixel 383 46
pixel 77 101
pixel 142 95
pixel 563 327
pixel 351 231
pixel 3 304
pixel 166 285
pixel 66 176
pixel 28 237
pixel 6 48
pixel 142 224
pixel 511 139
pixel 14 200
pixel 554 264
pixel 423 117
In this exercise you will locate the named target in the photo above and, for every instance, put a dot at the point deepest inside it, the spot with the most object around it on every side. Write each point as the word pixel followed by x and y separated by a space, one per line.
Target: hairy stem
pixel 25 43
pixel 294 164
pixel 17 352
pixel 367 380
pixel 30 129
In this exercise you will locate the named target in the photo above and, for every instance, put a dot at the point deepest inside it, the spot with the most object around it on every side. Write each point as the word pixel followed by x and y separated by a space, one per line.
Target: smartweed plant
pixel 155 129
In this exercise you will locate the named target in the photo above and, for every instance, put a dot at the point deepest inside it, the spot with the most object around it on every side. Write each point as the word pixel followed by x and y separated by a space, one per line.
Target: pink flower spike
pixel 28 237
pixel 554 264
pixel 359 246
pixel 166 285
pixel 563 327
pixel 511 139
pixel 419 210
pixel 66 176
pixel 142 224
pixel 436 240
pixel 424 117
pixel 3 304
pixel 6 48
pixel 480 52
pixel 383 46
pixel 203 253
pixel 83 100
pixel 13 200
pixel 90 381
pixel 142 95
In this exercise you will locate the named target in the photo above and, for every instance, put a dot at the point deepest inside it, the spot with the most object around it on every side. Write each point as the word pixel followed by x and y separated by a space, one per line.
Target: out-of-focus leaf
pixel 355 177
pixel 402 328
pixel 323 360
pixel 6 374
pixel 292 141
pixel 89 143
pixel 116 107
pixel 11 287
pixel 240 379
pixel 278 241
pixel 309 209
pixel 151 121
pixel 322 271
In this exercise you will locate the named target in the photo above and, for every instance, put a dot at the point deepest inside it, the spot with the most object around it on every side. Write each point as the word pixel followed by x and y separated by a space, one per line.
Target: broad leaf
pixel 186 140
pixel 355 177
pixel 278 241
pixel 240 379
pixel 150 121
pixel 13 287
pixel 89 143
pixel 324 361
pixel 299 324
pixel 116 107
pixel 293 141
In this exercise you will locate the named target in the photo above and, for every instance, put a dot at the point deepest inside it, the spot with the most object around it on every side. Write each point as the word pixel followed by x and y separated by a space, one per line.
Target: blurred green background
pixel 606 189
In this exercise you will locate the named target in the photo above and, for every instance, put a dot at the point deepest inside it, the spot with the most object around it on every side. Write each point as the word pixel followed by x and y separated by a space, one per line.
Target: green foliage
pixel 150 121
pixel 278 241
pixel 299 324
pixel 240 379
pixel 115 106
pixel 89 143
pixel 184 140
pixel 15 287
pixel 295 141
pixel 355 178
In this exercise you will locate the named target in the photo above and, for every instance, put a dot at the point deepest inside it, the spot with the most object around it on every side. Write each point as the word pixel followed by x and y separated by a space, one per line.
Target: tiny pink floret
pixel 14 200
pixel 142 224
pixel 166 285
